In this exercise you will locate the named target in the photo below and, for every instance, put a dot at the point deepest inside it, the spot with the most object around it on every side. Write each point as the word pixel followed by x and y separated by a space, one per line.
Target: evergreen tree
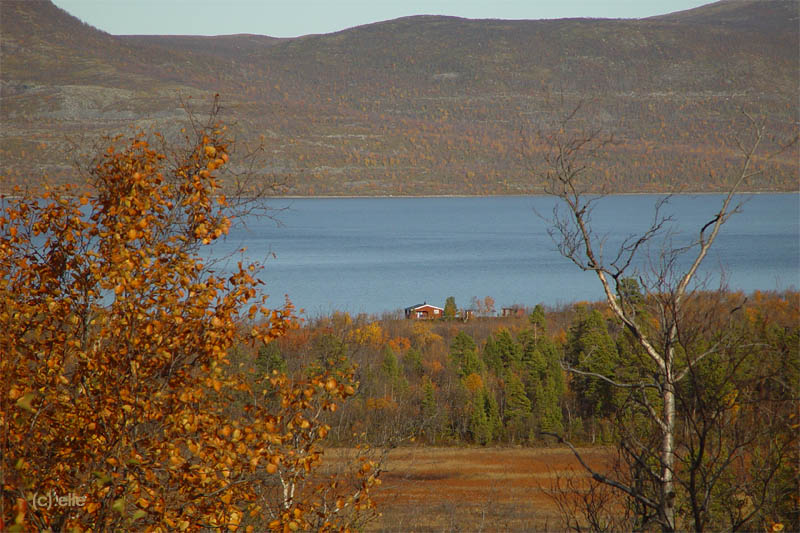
pixel 630 292
pixel 461 344
pixel 545 385
pixel 464 355
pixel 518 406
pixel 392 373
pixel 479 426
pixel 429 406
pixel 492 414
pixel 537 320
pixel 533 359
pixel 390 367
pixel 413 362
pixel 472 364
pixel 450 309
pixel 544 376
pixel 431 419
pixel 590 348
pixel 491 356
pixel 508 350
pixel 330 353
pixel 269 358
pixel 548 406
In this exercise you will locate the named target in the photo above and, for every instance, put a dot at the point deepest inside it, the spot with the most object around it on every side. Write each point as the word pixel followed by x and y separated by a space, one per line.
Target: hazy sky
pixel 290 18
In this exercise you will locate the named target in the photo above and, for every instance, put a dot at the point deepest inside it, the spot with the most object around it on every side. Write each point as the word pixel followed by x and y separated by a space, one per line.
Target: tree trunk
pixel 668 450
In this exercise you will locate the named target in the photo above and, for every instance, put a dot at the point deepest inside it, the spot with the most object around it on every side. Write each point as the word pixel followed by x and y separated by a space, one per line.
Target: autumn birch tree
pixel 117 398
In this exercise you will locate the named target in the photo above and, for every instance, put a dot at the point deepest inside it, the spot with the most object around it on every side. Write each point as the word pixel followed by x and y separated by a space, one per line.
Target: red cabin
pixel 424 311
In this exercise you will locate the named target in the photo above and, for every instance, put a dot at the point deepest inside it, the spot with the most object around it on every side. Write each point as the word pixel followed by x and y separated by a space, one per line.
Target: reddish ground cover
pixel 474 489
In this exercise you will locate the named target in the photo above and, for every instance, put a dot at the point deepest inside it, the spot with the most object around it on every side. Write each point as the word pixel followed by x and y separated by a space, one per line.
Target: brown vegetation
pixel 419 105
pixel 474 489
pixel 117 391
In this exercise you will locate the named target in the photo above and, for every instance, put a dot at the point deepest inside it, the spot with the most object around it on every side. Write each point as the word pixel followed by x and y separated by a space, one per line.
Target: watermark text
pixel 52 499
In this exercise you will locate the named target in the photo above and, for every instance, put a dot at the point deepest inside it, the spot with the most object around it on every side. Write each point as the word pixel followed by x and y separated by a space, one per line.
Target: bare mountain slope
pixel 417 105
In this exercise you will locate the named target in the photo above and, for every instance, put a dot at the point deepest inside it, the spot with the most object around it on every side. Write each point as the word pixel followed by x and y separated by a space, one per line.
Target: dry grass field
pixel 474 489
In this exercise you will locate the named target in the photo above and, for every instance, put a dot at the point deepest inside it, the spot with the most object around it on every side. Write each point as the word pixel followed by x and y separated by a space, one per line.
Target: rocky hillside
pixel 417 105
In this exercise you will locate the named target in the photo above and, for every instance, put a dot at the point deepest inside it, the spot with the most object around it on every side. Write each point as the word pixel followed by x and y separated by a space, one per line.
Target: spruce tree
pixel 492 414
pixel 450 309
pixel 538 322
pixel 548 402
pixel 464 355
pixel 491 356
pixel 518 406
pixel 392 372
pixel 430 410
pixel 590 348
pixel 509 351
pixel 544 377
pixel 479 426
pixel 413 362
pixel 429 406
pixel 269 359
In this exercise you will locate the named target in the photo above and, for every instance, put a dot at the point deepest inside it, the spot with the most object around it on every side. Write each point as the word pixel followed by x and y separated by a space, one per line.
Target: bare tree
pixel 667 442
pixel 589 505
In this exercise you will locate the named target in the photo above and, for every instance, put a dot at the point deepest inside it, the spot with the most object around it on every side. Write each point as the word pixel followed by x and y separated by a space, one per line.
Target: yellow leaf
pixel 25 401
pixel 118 505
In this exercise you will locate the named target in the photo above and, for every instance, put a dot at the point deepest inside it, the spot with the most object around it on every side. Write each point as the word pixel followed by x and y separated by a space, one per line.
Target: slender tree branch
pixel 608 380
pixel 600 477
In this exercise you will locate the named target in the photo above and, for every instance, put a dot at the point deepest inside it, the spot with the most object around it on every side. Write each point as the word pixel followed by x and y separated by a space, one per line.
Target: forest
pixel 144 391
pixel 501 379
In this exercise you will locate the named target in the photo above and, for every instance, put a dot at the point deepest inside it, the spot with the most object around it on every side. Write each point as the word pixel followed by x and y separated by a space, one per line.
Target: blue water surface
pixel 376 255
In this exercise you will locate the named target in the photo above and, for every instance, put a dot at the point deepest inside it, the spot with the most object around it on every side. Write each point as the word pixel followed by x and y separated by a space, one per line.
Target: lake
pixel 383 254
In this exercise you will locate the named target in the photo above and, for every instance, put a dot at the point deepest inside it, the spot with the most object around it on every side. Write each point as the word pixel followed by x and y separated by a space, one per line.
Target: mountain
pixel 416 105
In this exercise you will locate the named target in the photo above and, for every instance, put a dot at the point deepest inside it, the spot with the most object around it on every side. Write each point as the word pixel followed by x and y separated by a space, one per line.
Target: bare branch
pixel 608 380
pixel 724 213
pixel 600 477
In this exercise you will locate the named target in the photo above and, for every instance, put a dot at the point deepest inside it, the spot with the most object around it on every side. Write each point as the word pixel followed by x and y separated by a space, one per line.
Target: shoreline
pixel 397 314
pixel 12 196
pixel 386 196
